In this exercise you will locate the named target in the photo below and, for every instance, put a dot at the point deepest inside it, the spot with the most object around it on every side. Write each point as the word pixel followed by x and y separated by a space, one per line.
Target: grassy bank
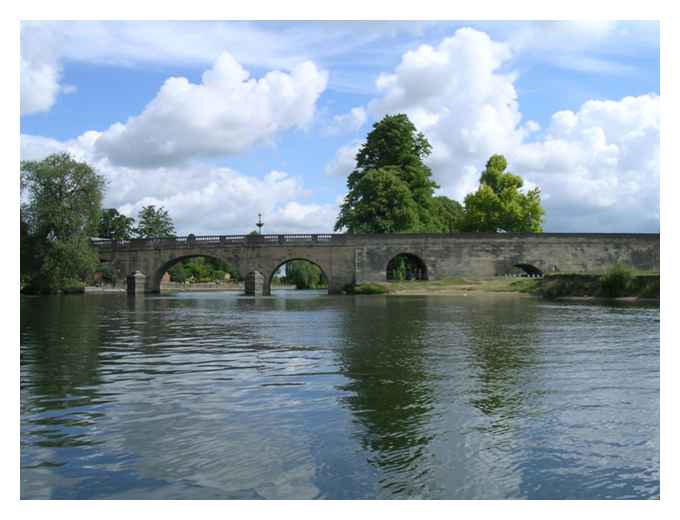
pixel 448 286
pixel 618 282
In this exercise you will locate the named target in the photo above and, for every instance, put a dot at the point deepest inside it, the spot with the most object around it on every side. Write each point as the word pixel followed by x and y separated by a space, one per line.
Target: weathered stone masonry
pixel 347 259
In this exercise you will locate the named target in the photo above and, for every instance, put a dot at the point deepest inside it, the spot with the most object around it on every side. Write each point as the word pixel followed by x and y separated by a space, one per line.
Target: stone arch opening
pixel 529 270
pixel 197 268
pixel 406 266
pixel 301 272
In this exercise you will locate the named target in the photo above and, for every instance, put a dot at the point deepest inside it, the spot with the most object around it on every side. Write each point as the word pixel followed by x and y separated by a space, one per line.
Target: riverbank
pixel 450 286
pixel 634 287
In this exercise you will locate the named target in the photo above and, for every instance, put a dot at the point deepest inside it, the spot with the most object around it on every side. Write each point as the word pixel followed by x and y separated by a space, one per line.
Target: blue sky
pixel 573 105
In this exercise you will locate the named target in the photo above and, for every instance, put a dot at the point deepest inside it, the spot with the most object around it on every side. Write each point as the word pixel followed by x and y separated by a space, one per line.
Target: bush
pixel 367 288
pixel 616 281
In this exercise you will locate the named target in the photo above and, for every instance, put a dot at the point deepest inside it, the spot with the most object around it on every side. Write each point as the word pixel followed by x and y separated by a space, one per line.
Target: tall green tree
pixel 154 223
pixel 499 205
pixel 115 226
pixel 386 205
pixel 60 213
pixel 390 163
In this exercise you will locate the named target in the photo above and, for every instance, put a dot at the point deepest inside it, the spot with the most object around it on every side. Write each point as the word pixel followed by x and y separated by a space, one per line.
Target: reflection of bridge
pixel 347 259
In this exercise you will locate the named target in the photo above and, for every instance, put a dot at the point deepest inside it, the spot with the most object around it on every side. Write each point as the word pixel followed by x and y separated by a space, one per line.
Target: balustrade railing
pixel 201 240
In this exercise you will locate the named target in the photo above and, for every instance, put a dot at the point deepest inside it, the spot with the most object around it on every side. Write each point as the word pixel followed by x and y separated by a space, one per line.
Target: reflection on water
pixel 303 395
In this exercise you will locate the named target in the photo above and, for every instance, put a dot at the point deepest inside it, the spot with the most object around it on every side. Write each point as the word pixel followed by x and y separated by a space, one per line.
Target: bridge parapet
pixel 191 241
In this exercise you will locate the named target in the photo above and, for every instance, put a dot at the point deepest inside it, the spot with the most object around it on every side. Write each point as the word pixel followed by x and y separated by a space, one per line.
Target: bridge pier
pixel 136 282
pixel 255 284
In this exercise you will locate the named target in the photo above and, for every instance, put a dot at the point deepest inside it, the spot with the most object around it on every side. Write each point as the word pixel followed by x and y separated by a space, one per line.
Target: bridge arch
pixel 268 280
pixel 406 266
pixel 529 269
pixel 154 284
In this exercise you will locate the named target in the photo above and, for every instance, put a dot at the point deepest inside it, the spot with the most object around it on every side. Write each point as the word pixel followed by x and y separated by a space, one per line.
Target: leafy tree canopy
pixel 304 275
pixel 385 205
pixel 499 205
pixel 64 197
pixel 60 213
pixel 115 226
pixel 154 223
pixel 390 164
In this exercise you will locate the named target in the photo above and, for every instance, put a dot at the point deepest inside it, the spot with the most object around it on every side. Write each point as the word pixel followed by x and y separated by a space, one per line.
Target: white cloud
pixel 39 86
pixel 45 46
pixel 347 123
pixel 201 199
pixel 224 114
pixel 344 161
pixel 597 167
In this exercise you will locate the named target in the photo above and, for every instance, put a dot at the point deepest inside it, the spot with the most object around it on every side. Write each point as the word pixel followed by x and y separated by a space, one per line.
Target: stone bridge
pixel 354 259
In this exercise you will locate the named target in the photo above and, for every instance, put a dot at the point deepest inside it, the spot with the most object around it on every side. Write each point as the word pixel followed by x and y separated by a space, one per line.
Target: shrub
pixel 367 288
pixel 616 281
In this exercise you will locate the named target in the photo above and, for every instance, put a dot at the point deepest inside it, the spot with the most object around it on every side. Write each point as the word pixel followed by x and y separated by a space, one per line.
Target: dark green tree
pixel 499 205
pixel 386 205
pixel 61 212
pixel 392 159
pixel 154 223
pixel 448 214
pixel 115 226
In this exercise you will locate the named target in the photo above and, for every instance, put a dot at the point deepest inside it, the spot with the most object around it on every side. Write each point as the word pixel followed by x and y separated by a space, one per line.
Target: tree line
pixel 390 190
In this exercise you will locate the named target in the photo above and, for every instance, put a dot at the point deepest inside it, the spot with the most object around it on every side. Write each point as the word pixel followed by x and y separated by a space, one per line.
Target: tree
pixel 499 205
pixel 154 223
pixel 448 213
pixel 385 206
pixel 391 159
pixel 61 212
pixel 305 275
pixel 115 226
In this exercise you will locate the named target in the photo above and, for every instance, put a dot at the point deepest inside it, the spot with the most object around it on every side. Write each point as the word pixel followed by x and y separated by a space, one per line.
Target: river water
pixel 305 395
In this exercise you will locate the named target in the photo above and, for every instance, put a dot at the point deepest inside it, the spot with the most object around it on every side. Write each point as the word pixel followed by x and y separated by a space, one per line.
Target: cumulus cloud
pixel 347 123
pixel 39 86
pixel 224 114
pixel 597 167
pixel 344 161
pixel 201 199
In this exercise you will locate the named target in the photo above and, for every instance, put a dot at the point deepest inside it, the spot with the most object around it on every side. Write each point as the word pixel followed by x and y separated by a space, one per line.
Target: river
pixel 305 395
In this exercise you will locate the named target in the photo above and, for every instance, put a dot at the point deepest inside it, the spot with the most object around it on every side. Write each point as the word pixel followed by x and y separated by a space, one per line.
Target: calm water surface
pixel 304 395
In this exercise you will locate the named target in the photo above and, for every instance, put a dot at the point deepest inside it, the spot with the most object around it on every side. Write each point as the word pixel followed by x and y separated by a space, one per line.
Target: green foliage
pixel 391 189
pixel 367 288
pixel 385 205
pixel 64 197
pixel 405 267
pixel 108 274
pixel 447 214
pixel 62 211
pixel 616 281
pixel 202 270
pixel 154 223
pixel 499 205
pixel 66 264
pixel 115 226
pixel 304 275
